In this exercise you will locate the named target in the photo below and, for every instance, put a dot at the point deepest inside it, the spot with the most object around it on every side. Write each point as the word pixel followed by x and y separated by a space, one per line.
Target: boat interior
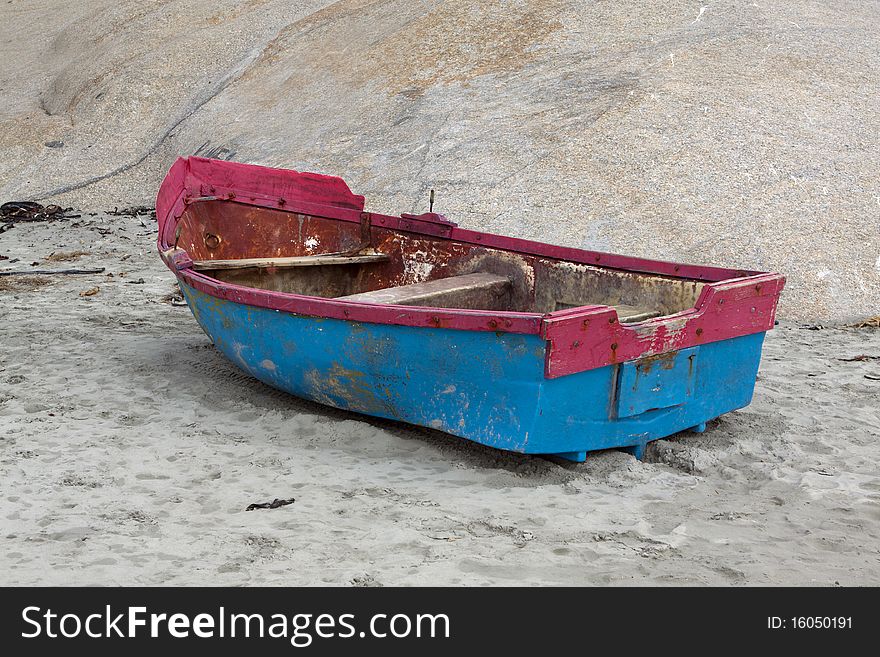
pixel 290 252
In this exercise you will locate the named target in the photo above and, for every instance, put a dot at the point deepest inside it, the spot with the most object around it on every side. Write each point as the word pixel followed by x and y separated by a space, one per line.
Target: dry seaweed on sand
pixel 65 256
pixel 175 299
pixel 16 211
pixel 870 322
pixel 133 211
pixel 274 504
pixel 22 283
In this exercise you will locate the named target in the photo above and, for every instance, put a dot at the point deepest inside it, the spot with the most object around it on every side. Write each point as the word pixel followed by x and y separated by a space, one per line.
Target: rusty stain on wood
pixel 271 249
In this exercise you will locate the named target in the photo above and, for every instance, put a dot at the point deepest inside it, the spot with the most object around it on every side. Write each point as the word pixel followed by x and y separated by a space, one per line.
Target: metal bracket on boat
pixel 366 243
pixel 430 223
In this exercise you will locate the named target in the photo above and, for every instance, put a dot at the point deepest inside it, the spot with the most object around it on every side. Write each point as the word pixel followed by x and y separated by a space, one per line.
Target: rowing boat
pixel 515 344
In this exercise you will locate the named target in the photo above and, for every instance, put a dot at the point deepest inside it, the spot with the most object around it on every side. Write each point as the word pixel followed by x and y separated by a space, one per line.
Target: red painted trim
pixel 732 303
pixel 599 259
pixel 465 320
pixel 585 338
pixel 196 177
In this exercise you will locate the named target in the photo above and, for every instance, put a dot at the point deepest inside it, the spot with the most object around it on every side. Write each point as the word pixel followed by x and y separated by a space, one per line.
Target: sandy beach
pixel 131 449
pixel 742 135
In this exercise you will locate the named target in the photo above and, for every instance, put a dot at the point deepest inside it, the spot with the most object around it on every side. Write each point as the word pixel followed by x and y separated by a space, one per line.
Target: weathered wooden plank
pixel 630 314
pixel 625 313
pixel 297 261
pixel 466 291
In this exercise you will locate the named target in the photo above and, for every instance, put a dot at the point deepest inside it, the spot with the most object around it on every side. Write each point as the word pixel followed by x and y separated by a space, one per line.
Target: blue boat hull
pixel 484 386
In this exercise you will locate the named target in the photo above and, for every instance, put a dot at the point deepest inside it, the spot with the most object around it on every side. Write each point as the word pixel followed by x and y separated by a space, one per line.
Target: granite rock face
pixel 729 133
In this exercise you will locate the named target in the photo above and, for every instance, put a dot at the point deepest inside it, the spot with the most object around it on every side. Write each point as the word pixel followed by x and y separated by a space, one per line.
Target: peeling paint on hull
pixel 489 387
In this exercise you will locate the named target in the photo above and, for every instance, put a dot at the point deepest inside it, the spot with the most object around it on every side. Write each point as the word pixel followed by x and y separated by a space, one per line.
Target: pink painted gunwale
pixel 732 302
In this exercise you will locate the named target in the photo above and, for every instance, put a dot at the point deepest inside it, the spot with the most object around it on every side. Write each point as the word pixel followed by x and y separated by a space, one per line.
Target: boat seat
pixel 625 313
pixel 475 291
pixel 630 314
pixel 320 259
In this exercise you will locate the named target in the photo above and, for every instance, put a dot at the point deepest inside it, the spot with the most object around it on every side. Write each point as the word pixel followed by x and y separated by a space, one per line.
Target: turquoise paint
pixel 659 382
pixel 484 386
